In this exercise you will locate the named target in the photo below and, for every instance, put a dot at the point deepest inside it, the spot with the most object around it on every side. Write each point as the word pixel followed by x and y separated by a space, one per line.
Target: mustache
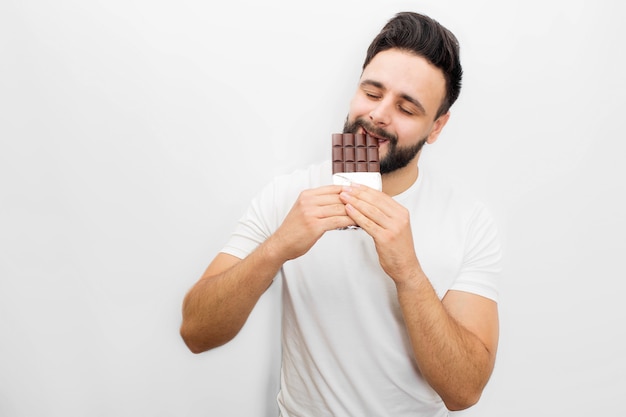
pixel 371 129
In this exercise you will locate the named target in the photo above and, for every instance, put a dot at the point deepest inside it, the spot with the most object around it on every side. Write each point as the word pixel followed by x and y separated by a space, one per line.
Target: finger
pixel 373 197
pixel 363 208
pixel 332 210
pixel 317 204
pixel 363 221
pixel 338 222
pixel 321 196
pixel 325 189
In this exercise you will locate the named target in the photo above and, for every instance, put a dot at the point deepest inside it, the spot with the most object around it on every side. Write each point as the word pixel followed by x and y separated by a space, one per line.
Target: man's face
pixel 398 97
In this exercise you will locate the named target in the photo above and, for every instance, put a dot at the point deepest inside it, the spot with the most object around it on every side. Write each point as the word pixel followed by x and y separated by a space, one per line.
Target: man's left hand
pixel 388 222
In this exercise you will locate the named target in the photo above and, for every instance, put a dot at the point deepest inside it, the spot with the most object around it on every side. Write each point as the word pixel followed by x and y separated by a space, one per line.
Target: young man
pixel 397 317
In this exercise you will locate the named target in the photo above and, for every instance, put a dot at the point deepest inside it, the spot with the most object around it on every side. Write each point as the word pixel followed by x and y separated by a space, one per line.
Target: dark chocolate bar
pixel 355 153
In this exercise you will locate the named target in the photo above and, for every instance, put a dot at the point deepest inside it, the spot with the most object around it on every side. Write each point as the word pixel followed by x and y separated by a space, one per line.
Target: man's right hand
pixel 315 212
pixel 218 305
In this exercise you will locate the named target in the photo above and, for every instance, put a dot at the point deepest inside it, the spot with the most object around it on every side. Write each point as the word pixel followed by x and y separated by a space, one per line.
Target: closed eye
pixel 372 89
pixel 406 111
pixel 372 94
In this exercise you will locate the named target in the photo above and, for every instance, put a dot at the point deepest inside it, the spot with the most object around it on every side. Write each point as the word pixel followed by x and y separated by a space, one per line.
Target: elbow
pixel 191 340
pixel 198 341
pixel 462 401
pixel 459 406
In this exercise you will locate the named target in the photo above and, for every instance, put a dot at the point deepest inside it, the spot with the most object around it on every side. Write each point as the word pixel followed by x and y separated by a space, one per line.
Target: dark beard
pixel 397 157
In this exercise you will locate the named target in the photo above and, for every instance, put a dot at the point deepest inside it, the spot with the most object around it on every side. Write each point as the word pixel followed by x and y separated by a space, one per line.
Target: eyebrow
pixel 404 96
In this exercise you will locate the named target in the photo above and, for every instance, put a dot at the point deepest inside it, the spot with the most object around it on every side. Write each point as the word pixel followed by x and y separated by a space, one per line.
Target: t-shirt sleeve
pixel 270 207
pixel 255 226
pixel 482 263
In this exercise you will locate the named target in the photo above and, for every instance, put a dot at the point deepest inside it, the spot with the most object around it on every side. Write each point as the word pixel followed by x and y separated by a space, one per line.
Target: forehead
pixel 404 73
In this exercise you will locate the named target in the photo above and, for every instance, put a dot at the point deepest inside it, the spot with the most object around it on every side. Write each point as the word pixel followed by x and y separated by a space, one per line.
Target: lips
pixel 378 138
pixel 360 125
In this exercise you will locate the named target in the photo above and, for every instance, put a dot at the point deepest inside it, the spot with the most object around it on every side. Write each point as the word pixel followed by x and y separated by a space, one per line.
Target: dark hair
pixel 427 38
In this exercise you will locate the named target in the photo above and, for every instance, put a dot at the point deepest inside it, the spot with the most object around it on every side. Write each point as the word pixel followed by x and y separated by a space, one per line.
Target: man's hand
pixel 454 341
pixel 315 212
pixel 388 222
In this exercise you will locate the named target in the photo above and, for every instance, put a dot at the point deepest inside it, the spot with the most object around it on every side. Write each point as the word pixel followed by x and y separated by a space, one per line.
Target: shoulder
pixel 444 207
pixel 437 192
pixel 315 175
pixel 283 189
pixel 457 236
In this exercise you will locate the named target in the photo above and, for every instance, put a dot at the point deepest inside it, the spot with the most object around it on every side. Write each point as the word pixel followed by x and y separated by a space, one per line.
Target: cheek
pixel 409 135
pixel 358 107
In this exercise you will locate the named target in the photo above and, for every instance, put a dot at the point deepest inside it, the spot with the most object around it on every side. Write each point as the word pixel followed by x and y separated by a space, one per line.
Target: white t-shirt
pixel 346 351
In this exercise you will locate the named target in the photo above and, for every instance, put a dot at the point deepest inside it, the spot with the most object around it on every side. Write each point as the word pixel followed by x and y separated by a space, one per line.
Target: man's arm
pixel 455 340
pixel 218 305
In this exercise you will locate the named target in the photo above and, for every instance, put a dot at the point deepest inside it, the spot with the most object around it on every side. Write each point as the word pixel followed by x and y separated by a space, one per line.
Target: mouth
pixel 381 140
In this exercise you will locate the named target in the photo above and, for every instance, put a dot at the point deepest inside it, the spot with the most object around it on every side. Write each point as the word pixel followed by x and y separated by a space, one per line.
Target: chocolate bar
pixel 356 160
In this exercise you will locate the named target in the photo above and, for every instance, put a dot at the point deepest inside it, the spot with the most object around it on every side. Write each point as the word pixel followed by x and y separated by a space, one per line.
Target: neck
pixel 400 180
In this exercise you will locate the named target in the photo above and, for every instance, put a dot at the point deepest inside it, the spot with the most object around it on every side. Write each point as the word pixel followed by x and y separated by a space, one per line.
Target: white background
pixel 133 134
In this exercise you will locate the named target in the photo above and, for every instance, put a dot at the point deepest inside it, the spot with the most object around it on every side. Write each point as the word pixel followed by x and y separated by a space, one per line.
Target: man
pixel 397 317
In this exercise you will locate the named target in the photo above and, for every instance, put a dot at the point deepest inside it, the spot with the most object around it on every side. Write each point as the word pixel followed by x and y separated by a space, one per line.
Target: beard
pixel 397 157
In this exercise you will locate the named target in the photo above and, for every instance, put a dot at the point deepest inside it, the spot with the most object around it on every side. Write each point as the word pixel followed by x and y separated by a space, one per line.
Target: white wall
pixel 133 134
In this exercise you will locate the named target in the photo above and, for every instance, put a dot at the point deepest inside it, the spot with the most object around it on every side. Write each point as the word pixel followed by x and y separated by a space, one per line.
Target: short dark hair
pixel 427 38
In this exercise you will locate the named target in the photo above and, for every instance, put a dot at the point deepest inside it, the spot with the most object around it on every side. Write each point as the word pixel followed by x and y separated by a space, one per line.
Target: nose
pixel 380 115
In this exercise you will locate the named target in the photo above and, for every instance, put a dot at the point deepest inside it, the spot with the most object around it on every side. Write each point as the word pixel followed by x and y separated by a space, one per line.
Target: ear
pixel 437 128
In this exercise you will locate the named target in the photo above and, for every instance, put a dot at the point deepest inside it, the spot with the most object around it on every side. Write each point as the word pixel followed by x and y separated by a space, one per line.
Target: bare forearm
pixel 218 305
pixel 455 362
pixel 454 339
